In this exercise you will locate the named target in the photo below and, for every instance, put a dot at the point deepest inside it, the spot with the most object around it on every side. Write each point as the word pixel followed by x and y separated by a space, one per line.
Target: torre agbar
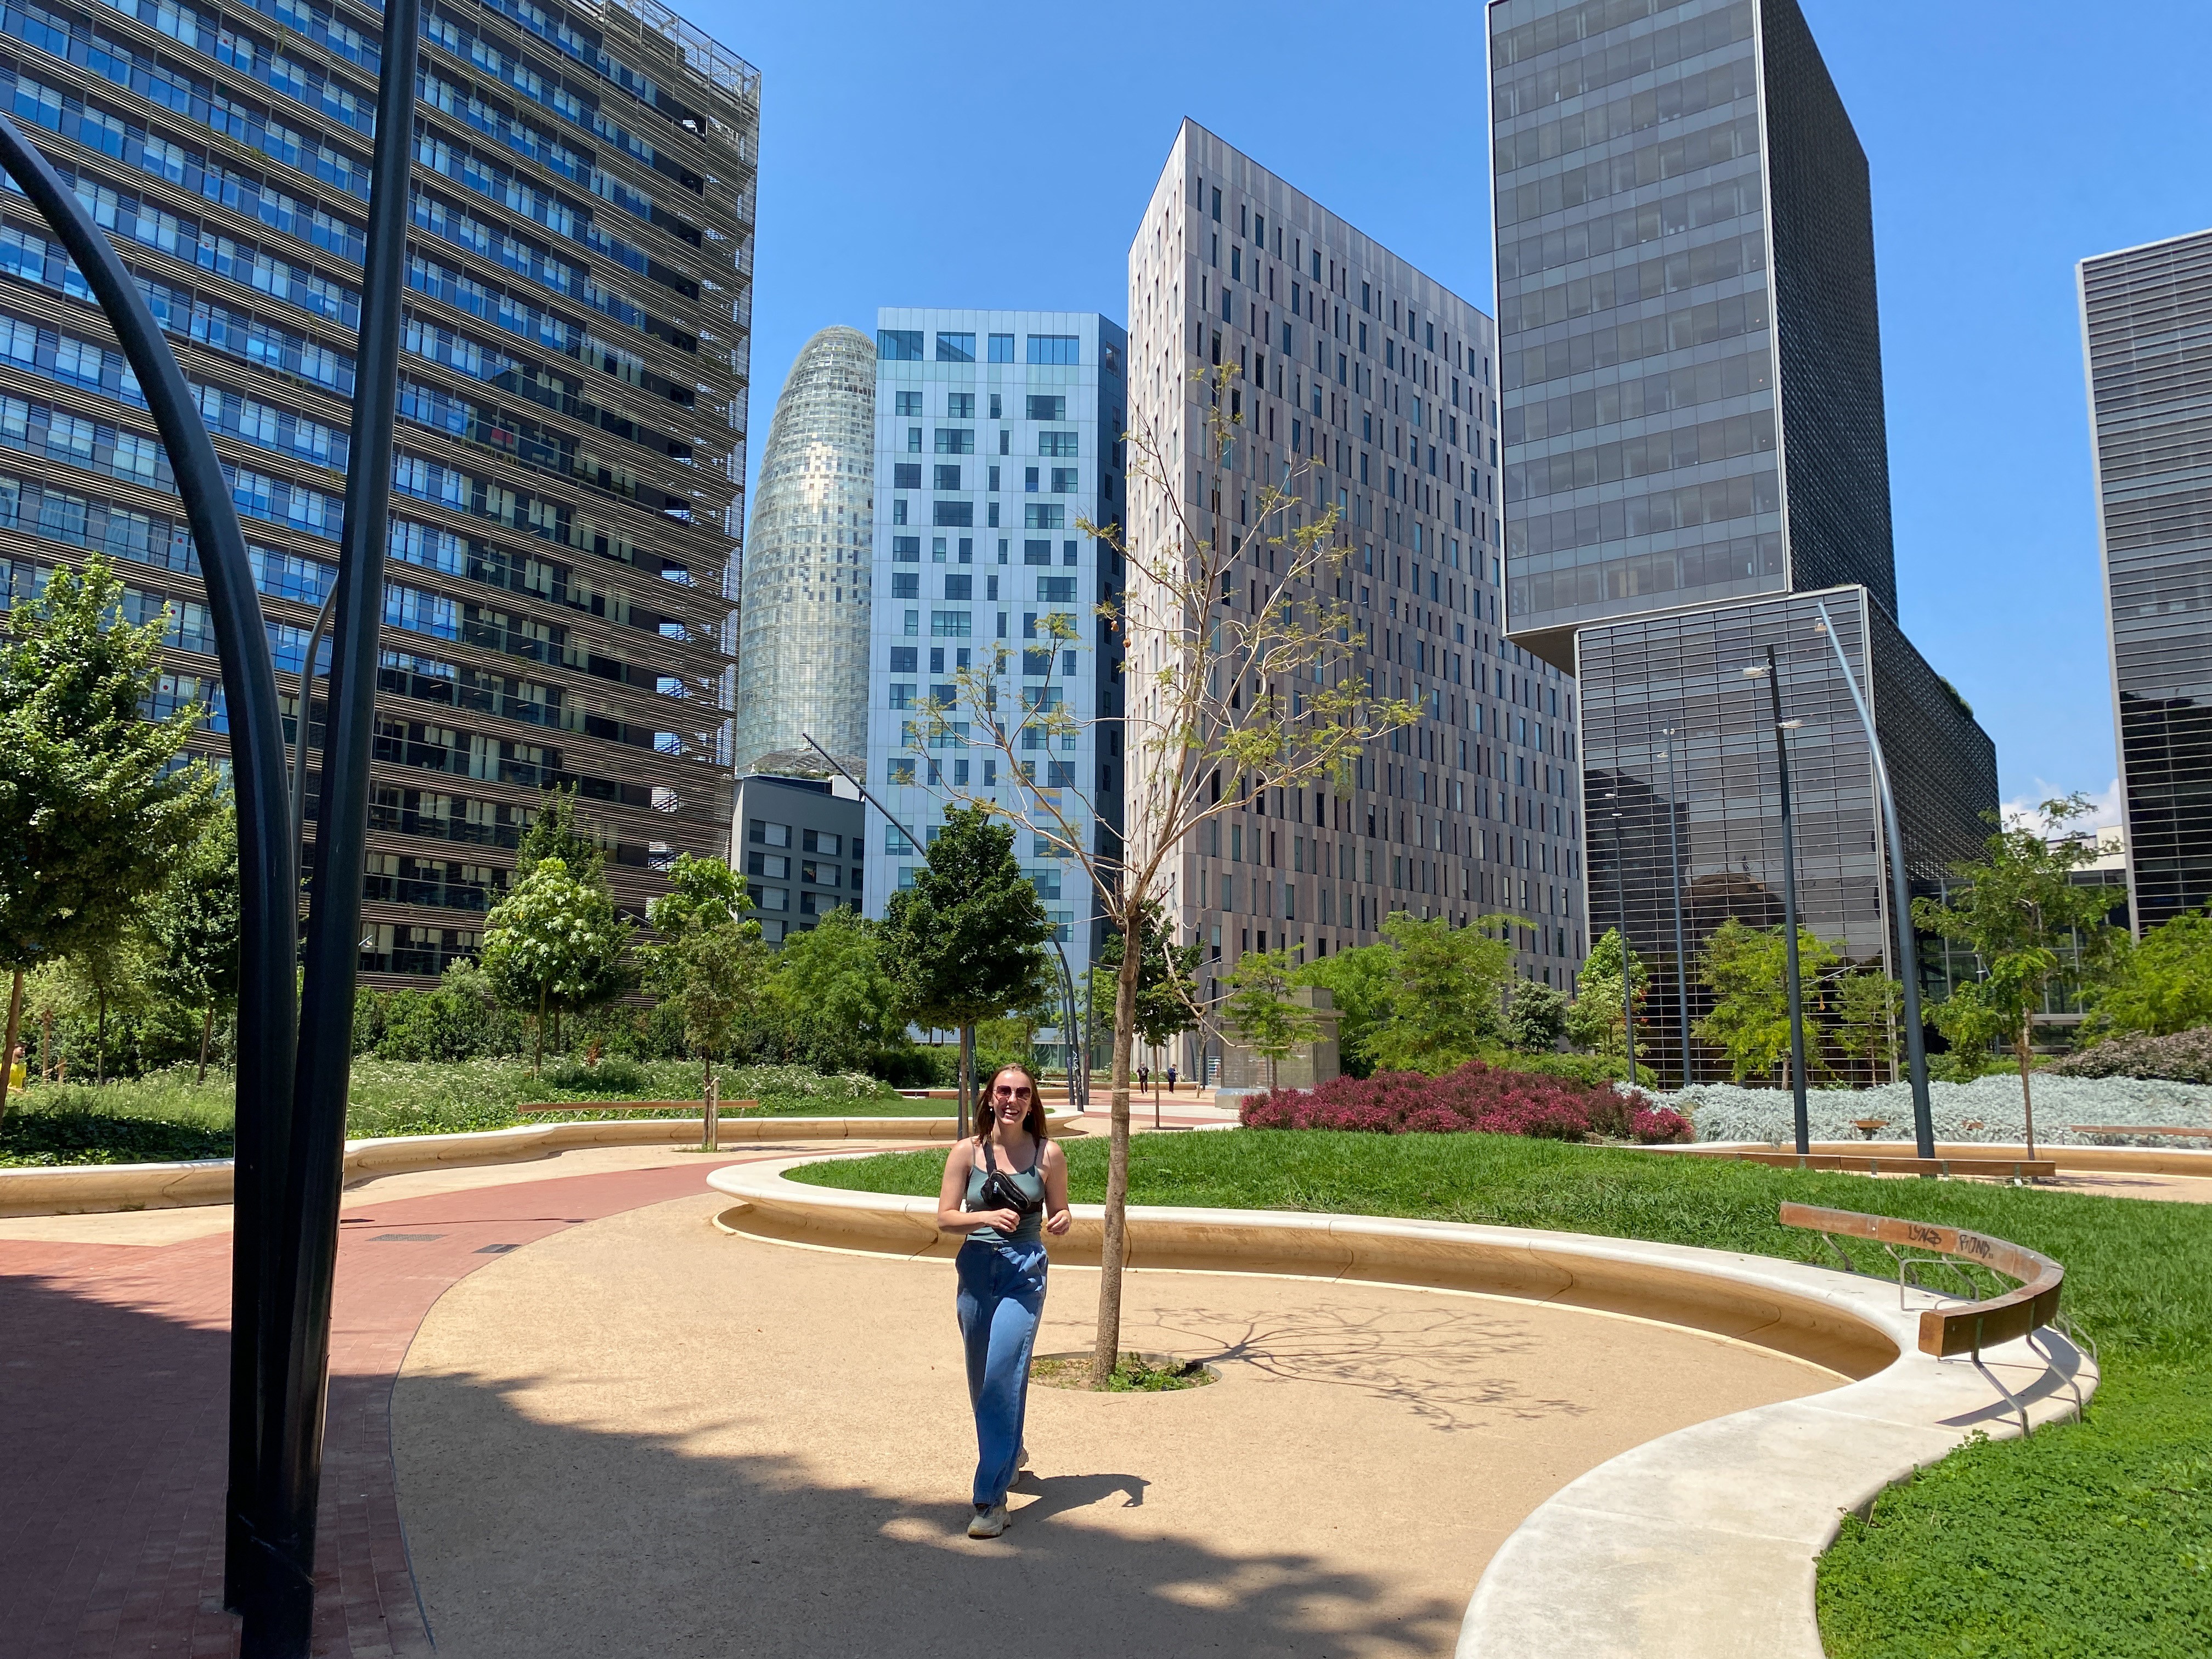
pixel 1695 465
pixel 563 557
pixel 1370 387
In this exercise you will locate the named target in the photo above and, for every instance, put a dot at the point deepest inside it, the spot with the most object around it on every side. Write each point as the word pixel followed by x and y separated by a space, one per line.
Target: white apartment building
pixel 1371 388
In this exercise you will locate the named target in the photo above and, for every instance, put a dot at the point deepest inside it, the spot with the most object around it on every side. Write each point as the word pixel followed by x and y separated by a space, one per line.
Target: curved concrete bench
pixel 78 1188
pixel 1703 1542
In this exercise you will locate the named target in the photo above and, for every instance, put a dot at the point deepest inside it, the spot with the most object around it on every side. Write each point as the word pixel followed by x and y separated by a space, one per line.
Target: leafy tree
pixel 1537 1018
pixel 194 925
pixel 1167 979
pixel 1595 1020
pixel 1747 969
pixel 554 945
pixel 969 936
pixel 835 971
pixel 1259 1012
pixel 1363 983
pixel 1867 1006
pixel 93 812
pixel 2019 910
pixel 558 831
pixel 711 963
pixel 1447 995
pixel 2161 986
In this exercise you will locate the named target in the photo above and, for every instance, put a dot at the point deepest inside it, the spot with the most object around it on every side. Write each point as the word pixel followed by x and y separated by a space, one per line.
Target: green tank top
pixel 1029 1182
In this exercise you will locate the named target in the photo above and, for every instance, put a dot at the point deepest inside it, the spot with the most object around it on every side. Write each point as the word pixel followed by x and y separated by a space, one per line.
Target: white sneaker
pixel 989 1520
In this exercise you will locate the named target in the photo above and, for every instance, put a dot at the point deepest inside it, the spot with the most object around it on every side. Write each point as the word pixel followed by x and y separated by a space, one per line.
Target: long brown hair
pixel 1035 1121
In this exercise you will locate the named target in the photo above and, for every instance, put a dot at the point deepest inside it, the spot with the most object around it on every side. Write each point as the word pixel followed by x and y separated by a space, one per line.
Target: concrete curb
pixel 2087 1160
pixel 82 1188
pixel 1703 1543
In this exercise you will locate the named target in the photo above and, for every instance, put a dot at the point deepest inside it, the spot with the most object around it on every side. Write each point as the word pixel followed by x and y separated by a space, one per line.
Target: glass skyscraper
pixel 2146 318
pixel 564 536
pixel 802 646
pixel 996 436
pixel 1694 452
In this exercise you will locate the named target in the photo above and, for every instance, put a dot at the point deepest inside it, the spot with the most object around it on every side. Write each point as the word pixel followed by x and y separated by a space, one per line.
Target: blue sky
pixel 993 155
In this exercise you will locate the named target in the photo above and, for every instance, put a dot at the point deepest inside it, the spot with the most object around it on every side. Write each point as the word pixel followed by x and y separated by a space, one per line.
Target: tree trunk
pixel 967 1087
pixel 100 1043
pixel 1113 1249
pixel 711 1140
pixel 538 1054
pixel 2027 1101
pixel 207 1031
pixel 46 1055
pixel 8 1053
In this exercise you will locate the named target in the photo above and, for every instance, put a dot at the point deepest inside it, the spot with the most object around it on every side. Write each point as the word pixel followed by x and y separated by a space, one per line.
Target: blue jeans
pixel 1000 1299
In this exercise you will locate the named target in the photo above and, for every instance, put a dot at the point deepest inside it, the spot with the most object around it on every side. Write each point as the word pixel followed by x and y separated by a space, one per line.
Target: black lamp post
pixel 1674 885
pixel 1771 673
pixel 1627 984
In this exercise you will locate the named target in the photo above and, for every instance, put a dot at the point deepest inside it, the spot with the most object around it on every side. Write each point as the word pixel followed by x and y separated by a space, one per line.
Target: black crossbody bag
pixel 1000 1192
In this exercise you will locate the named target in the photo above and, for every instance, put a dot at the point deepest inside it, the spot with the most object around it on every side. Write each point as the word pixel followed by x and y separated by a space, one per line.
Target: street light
pixel 1771 673
pixel 1620 891
pixel 1908 960
pixel 1674 885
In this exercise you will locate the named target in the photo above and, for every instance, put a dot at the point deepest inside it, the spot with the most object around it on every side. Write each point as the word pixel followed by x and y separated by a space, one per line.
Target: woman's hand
pixel 1002 1221
pixel 1057 1223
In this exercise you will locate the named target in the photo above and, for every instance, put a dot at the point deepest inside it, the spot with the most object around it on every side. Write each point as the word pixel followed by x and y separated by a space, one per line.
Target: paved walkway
pixel 646 1436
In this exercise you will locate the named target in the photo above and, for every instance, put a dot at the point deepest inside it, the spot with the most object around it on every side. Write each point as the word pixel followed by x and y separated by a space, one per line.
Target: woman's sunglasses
pixel 1003 1092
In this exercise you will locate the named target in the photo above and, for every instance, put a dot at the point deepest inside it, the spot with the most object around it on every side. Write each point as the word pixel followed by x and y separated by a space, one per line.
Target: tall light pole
pixel 1908 954
pixel 1627 987
pixel 1674 885
pixel 1771 673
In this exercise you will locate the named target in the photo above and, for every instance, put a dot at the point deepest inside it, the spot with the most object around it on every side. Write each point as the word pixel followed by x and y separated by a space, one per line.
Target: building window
pixel 948 475
pixel 955 441
pixel 1065 480
pixel 901 695
pixel 958 515
pixel 960 405
pixel 909 403
pixel 1048 408
pixel 903 659
pixel 906 475
pixel 1057 590
pixel 906 585
pixel 959 588
pixel 770 834
pixel 1039 515
pixel 898 771
pixel 822 841
pixel 1062 349
pixel 956 348
pixel 906 549
pixel 1002 347
pixel 914 440
pixel 775 898
pixel 899 345
pixel 949 624
pixel 1037 552
pixel 1063 444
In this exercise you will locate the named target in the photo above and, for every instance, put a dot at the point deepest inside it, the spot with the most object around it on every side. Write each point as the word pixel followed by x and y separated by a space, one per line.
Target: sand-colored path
pixel 643 1435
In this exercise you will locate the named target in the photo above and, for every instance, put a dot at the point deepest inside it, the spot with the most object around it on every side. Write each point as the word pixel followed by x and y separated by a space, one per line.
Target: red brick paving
pixel 113 1374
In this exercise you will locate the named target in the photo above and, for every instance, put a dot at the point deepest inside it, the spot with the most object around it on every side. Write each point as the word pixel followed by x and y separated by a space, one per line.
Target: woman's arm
pixel 1056 1189
pixel 951 1218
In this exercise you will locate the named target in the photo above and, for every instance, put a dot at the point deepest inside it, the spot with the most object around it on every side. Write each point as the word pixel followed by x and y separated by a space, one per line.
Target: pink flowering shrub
pixel 1476 1097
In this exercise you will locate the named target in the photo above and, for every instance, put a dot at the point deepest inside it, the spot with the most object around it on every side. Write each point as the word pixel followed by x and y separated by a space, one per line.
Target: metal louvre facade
pixel 561 574
pixel 2147 323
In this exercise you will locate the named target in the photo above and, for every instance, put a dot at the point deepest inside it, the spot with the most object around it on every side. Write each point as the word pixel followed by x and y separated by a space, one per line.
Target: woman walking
pixel 1004 1188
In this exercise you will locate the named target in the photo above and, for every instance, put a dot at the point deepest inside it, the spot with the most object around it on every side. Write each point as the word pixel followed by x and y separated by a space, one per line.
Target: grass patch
pixel 1133 1373
pixel 2087 1539
pixel 168 1114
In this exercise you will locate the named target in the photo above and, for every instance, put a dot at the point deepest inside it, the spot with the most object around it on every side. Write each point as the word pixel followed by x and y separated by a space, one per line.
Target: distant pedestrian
pixel 1171 1079
pixel 1143 1078
pixel 16 1069
pixel 1003 1188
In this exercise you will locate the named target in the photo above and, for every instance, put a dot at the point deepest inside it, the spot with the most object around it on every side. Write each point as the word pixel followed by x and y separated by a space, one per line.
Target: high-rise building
pixel 565 521
pixel 803 628
pixel 1695 461
pixel 1371 388
pixel 2146 324
pixel 995 441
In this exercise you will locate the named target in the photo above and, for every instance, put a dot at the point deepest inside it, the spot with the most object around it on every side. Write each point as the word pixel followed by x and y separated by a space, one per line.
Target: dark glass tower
pixel 2147 319
pixel 1694 456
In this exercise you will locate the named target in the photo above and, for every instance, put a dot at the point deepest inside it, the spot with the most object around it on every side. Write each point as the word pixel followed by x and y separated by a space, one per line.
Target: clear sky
pixel 994 155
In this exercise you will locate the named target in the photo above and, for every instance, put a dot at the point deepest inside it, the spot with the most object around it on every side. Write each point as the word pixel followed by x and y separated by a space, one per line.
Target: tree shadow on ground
pixel 532 1540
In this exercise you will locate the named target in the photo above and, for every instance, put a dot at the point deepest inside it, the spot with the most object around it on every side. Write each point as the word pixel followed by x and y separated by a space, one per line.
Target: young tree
pixel 93 815
pixel 1537 1018
pixel 1746 969
pixel 1449 994
pixel 2017 907
pixel 554 945
pixel 1242 684
pixel 1167 982
pixel 1259 1012
pixel 1868 1004
pixel 194 923
pixel 1595 1020
pixel 711 963
pixel 1363 983
pixel 836 972
pixel 968 936
pixel 559 831
pixel 2161 986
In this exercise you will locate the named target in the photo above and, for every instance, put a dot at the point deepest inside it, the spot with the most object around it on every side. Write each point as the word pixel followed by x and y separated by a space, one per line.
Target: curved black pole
pixel 295 1367
pixel 1789 910
pixel 268 855
pixel 300 723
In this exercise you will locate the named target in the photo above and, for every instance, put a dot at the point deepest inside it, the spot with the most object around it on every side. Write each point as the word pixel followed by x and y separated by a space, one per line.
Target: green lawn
pixel 2091 1539
pixel 168 1115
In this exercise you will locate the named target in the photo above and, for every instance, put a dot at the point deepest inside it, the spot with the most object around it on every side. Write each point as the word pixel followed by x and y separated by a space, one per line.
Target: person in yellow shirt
pixel 15 1067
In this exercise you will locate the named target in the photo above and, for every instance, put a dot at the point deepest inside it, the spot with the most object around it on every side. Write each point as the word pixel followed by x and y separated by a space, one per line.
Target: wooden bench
pixel 2138 1129
pixel 1969 1326
pixel 2000 1169
pixel 698 1106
